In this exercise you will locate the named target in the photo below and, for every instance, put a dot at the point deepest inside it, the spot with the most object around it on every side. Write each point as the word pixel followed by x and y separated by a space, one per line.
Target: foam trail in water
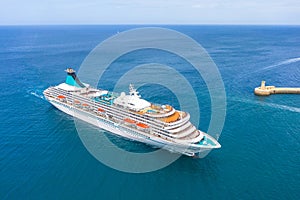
pixel 286 62
pixel 273 105
pixel 36 94
pixel 284 107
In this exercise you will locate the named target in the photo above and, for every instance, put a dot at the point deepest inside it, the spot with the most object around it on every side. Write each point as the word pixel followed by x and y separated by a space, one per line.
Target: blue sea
pixel 42 156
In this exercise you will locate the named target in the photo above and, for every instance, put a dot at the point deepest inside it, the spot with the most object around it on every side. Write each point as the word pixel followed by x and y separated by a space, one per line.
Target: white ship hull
pixel 130 116
pixel 128 134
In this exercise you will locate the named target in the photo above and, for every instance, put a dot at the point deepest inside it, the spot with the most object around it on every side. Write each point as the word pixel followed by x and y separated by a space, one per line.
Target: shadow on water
pixel 206 167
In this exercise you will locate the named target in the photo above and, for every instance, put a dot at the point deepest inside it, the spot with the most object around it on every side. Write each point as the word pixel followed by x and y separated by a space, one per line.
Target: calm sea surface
pixel 42 156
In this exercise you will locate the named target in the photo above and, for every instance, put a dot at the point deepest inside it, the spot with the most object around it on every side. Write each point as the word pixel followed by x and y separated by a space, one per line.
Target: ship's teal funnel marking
pixel 72 79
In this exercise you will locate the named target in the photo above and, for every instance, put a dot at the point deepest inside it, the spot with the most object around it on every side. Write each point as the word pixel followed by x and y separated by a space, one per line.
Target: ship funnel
pixel 72 79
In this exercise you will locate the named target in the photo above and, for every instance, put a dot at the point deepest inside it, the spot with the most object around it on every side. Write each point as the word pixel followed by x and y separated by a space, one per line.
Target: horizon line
pixel 154 24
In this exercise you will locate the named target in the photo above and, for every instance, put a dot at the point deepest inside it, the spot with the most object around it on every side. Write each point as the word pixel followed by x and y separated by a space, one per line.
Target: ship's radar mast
pixel 133 92
pixel 70 70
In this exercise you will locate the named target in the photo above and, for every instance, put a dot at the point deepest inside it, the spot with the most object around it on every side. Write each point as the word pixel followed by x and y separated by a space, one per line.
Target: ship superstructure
pixel 130 116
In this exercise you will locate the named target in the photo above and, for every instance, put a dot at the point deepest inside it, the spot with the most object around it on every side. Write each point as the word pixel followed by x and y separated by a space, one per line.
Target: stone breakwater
pixel 264 90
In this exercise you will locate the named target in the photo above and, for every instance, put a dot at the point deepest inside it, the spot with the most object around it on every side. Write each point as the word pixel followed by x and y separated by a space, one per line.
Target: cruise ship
pixel 130 116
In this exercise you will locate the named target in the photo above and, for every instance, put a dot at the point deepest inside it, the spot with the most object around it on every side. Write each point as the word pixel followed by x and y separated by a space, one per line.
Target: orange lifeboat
pixel 61 97
pixel 129 121
pixel 76 102
pixel 85 105
pixel 142 125
pixel 100 109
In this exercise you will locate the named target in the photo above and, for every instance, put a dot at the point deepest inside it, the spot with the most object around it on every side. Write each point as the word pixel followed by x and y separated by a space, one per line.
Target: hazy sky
pixel 149 12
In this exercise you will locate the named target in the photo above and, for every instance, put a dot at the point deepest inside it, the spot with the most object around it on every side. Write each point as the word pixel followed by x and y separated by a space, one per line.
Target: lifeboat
pixel 141 125
pixel 100 109
pixel 61 97
pixel 76 102
pixel 130 121
pixel 85 106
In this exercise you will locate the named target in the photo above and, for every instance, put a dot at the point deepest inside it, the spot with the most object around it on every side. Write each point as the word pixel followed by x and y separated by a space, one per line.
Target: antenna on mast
pixel 133 92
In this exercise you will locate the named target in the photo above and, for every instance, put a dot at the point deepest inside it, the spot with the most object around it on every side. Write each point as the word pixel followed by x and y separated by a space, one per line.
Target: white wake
pixel 37 94
pixel 272 105
pixel 283 107
pixel 286 62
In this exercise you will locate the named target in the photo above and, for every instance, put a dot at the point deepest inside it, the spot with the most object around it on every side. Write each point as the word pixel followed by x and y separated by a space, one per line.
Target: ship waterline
pixel 130 116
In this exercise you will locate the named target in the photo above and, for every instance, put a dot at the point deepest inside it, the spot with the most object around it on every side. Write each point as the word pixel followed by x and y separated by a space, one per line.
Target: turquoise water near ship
pixel 42 157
